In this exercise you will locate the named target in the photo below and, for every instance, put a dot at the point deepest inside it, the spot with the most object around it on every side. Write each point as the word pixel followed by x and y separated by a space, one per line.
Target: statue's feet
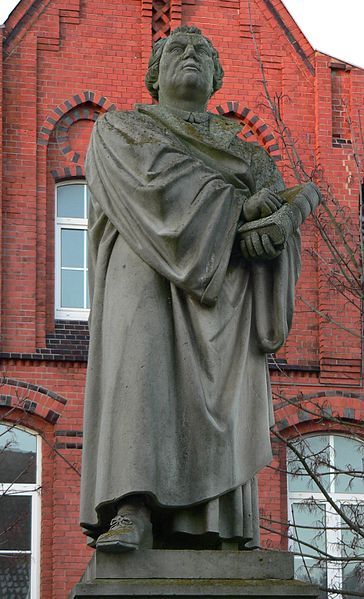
pixel 127 532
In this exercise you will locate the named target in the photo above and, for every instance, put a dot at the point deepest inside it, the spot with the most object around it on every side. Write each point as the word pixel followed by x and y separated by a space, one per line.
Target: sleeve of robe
pixel 274 280
pixel 175 212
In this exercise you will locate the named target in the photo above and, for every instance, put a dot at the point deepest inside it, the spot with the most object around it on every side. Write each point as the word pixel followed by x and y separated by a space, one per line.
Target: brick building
pixel 62 65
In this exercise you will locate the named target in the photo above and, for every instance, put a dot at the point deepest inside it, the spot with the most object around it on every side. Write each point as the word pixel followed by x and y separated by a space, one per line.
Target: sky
pixel 331 26
pixel 334 27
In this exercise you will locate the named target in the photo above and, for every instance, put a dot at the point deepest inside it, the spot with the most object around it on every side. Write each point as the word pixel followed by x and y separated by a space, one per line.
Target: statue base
pixel 188 574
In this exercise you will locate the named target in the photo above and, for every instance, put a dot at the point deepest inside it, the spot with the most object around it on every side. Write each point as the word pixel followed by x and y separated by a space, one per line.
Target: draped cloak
pixel 178 402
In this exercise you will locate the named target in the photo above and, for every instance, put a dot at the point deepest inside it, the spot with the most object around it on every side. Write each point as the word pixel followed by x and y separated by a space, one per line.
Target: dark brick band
pixel 67 445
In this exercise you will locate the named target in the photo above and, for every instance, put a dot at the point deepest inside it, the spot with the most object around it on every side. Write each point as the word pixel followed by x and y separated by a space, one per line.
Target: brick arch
pixel 61 111
pixel 68 172
pixel 32 399
pixel 79 116
pixel 254 128
pixel 343 404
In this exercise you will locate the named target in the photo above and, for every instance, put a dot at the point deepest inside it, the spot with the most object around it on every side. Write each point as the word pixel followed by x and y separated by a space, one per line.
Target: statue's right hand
pixel 261 204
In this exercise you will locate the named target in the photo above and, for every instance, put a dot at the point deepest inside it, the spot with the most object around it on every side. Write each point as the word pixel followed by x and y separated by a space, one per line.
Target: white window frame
pixel 68 223
pixel 32 490
pixel 333 520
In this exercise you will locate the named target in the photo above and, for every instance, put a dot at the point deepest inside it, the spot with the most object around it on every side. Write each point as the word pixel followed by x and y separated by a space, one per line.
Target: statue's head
pixel 186 59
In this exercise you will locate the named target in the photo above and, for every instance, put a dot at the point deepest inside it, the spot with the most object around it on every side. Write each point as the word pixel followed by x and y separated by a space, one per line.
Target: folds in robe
pixel 178 402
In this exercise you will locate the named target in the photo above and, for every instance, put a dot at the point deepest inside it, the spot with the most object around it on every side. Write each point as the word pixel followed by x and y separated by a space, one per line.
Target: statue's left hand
pixel 258 246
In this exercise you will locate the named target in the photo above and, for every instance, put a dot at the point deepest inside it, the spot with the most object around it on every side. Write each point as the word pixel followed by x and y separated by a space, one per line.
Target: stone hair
pixel 153 68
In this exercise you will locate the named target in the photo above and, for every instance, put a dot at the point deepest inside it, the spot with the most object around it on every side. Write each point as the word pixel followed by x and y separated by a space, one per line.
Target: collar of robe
pixel 198 118
pixel 204 118
pixel 220 129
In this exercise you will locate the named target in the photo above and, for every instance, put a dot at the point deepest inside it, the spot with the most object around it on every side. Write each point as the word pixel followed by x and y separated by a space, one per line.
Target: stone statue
pixel 193 260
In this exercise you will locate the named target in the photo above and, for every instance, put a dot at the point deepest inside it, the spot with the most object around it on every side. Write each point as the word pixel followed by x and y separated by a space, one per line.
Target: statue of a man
pixel 178 404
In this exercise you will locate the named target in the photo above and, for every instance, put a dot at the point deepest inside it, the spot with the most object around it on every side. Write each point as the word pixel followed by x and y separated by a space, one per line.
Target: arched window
pixel 19 512
pixel 71 279
pixel 328 550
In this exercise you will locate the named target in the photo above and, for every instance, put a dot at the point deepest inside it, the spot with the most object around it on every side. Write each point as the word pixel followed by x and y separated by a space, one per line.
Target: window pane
pixel 15 576
pixel 352 545
pixel 72 289
pixel 17 455
pixel 309 570
pixel 353 579
pixel 70 201
pixel 15 522
pixel 316 451
pixel 312 517
pixel 349 456
pixel 72 248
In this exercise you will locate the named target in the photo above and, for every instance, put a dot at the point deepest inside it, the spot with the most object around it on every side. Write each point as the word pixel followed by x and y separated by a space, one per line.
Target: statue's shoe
pixel 126 533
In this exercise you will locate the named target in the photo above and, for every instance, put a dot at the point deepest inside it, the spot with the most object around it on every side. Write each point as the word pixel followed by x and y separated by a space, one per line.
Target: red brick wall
pixel 1 164
pixel 63 64
pixel 48 398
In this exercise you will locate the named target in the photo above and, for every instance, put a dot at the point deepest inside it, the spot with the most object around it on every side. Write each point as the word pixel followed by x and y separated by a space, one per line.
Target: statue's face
pixel 186 68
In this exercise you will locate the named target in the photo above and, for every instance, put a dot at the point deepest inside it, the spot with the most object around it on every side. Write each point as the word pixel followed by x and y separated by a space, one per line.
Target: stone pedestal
pixel 189 574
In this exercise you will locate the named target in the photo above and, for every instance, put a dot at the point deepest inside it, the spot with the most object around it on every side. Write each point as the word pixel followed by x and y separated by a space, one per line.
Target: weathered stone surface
pixel 262 589
pixel 191 574
pixel 178 407
pixel 191 564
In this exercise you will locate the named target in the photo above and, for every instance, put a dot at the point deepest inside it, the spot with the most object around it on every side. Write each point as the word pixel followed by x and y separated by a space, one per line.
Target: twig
pixel 316 479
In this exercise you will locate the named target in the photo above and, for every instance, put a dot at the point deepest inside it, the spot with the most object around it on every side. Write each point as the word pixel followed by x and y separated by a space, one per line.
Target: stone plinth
pixel 189 574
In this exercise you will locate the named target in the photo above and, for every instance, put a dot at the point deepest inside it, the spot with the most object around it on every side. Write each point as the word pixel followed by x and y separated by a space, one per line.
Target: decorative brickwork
pixel 31 399
pixel 86 112
pixel 86 105
pixel 68 445
pixel 293 41
pixel 62 433
pixel 5 400
pixel 21 21
pixel 70 17
pixel 338 142
pixel 340 98
pixel 176 13
pixel 27 14
pixel 161 19
pixel 335 403
pixel 254 128
pixel 31 389
pixel 68 172
pixel 70 439
pixel 247 30
pixel 350 369
pixel 230 4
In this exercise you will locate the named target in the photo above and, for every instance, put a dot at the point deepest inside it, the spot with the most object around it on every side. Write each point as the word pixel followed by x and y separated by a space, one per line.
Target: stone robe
pixel 178 402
